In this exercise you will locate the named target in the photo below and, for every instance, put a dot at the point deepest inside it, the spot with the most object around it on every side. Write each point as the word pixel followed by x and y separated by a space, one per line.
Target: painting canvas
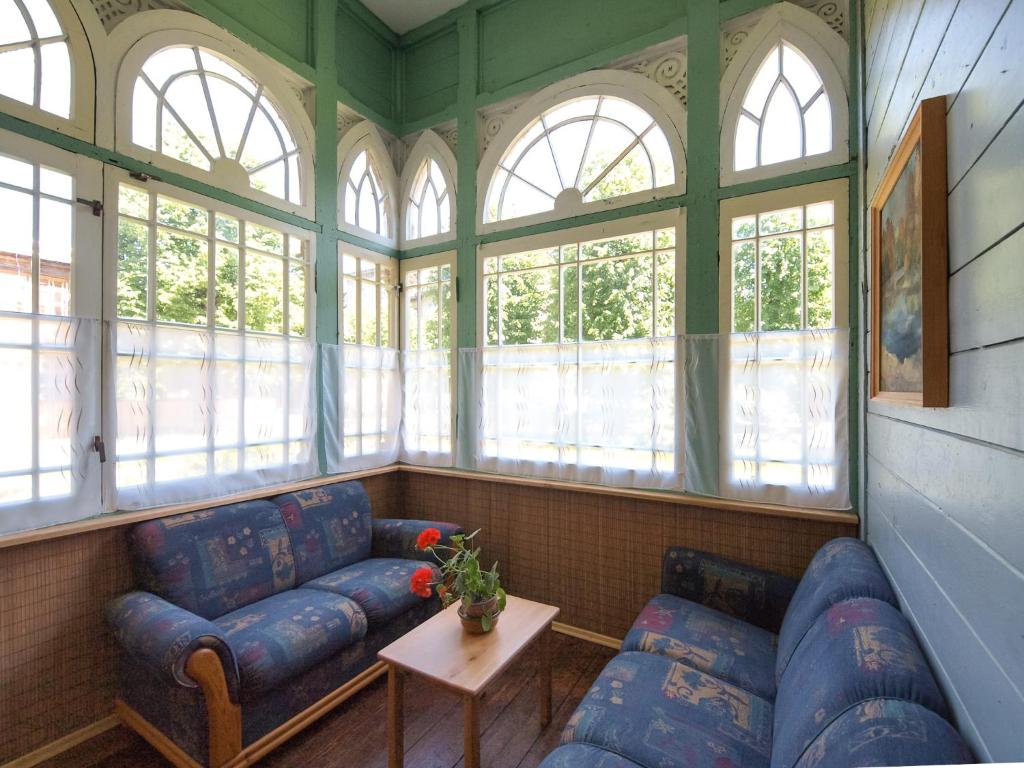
pixel 909 268
pixel 900 360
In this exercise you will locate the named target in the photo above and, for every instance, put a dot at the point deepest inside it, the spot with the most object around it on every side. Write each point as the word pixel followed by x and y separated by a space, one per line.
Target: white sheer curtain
pixel 427 407
pixel 600 412
pixel 781 400
pixel 362 402
pixel 49 471
pixel 204 414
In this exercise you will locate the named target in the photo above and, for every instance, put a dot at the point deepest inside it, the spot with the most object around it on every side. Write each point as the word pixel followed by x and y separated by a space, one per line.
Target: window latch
pixel 100 448
pixel 96 205
pixel 139 176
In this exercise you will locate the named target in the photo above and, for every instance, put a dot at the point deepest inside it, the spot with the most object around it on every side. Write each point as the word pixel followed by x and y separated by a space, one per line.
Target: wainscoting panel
pixel 56 654
pixel 598 557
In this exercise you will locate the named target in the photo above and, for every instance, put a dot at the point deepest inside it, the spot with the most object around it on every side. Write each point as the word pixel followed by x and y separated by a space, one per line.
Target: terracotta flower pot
pixel 472 615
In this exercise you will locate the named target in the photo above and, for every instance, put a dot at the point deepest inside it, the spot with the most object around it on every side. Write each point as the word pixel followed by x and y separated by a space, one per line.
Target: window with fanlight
pixel 196 107
pixel 593 148
pixel 35 62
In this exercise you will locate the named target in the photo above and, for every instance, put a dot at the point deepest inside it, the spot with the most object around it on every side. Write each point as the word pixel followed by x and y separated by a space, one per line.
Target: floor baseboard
pixel 64 743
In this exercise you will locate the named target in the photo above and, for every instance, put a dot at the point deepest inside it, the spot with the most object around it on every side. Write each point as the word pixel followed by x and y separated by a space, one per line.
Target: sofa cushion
pixel 658 712
pixel 842 569
pixel 329 527
pixel 585 756
pixel 215 560
pixel 883 732
pixel 280 637
pixel 709 640
pixel 858 650
pixel 380 585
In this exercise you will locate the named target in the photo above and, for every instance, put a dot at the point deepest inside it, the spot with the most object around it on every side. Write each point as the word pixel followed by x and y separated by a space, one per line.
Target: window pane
pixel 181 278
pixel 227 286
pixel 349 311
pixel 132 268
pixel 782 128
pixel 264 293
pixel 820 279
pixel 757 95
pixel 744 280
pixel 530 307
pixel 776 222
pixel 800 74
pixel 666 299
pixel 297 299
pixel 491 300
pixel 618 299
pixel 181 216
pixel 781 284
pixel 368 314
pixel 16 249
pixel 818 121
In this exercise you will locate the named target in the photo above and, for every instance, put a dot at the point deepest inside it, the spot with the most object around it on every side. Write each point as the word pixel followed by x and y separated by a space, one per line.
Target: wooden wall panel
pixel 56 654
pixel 598 557
pixel 944 485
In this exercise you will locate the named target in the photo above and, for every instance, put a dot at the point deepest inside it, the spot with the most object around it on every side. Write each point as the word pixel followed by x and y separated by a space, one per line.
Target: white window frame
pixel 113 179
pixel 365 136
pixel 429 146
pixel 380 259
pixel 449 259
pixel 629 86
pixel 140 36
pixel 616 228
pixel 837 190
pixel 85 291
pixel 826 51
pixel 83 74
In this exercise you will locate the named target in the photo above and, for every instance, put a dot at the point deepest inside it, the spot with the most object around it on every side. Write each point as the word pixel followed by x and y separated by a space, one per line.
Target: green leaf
pixel 501 599
pixel 486 622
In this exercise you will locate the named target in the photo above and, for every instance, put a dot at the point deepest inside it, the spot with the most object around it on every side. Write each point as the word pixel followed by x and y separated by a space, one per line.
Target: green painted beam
pixel 466 159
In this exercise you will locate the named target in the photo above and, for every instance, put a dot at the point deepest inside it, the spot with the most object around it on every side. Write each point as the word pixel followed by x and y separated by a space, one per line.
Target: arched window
pixel 46 69
pixel 213 110
pixel 196 107
pixel 786 109
pixel 428 192
pixel 603 139
pixel 366 185
pixel 786 112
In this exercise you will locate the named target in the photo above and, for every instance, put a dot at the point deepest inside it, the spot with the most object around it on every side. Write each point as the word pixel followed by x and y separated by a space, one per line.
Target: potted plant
pixel 463 579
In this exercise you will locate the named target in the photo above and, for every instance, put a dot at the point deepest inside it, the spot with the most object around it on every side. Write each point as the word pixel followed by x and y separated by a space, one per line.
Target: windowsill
pixel 118 519
pixel 121 518
pixel 848 517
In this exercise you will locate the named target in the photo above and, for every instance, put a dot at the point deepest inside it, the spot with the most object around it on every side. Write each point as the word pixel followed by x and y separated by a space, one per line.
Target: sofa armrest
pixel 397 538
pixel 164 637
pixel 751 594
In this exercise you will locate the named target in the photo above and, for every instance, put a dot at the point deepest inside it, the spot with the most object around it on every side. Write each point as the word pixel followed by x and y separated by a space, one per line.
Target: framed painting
pixel 909 268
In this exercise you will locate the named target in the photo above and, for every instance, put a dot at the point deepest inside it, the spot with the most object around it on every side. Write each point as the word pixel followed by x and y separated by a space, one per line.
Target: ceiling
pixel 403 15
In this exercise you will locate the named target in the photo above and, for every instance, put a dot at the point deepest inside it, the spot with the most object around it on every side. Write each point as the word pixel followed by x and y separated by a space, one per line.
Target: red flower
pixel 428 538
pixel 420 582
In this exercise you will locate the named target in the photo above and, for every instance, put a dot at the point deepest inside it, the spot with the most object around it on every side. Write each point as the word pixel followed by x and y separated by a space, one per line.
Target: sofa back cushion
pixel 216 560
pixel 330 527
pixel 858 650
pixel 886 732
pixel 842 569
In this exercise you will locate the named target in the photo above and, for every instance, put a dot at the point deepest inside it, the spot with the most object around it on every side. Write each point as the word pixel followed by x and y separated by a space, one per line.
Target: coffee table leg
pixel 396 717
pixel 545 678
pixel 471 731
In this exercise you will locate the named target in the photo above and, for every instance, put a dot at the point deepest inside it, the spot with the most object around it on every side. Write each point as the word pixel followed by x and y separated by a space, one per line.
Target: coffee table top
pixel 441 650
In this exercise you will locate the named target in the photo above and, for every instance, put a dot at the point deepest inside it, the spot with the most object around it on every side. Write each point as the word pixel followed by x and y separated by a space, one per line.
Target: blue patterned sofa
pixel 259 614
pixel 732 667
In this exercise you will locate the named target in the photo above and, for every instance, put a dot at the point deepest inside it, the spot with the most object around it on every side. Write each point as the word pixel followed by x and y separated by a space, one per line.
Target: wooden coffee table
pixel 439 649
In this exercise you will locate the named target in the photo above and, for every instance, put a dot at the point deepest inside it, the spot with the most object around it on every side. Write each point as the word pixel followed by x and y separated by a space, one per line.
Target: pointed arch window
pixel 366 199
pixel 429 211
pixel 195 107
pixel 580 151
pixel 786 113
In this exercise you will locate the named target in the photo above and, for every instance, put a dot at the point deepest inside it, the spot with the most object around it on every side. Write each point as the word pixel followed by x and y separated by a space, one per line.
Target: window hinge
pixel 398 287
pixel 96 205
pixel 100 448
pixel 139 176
pixel 456 289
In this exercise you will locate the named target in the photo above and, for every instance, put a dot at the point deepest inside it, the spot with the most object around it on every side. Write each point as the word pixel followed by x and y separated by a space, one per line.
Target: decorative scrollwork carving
pixel 113 12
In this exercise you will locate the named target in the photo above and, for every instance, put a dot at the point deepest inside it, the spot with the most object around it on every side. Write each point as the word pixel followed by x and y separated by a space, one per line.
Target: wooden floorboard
pixel 354 735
